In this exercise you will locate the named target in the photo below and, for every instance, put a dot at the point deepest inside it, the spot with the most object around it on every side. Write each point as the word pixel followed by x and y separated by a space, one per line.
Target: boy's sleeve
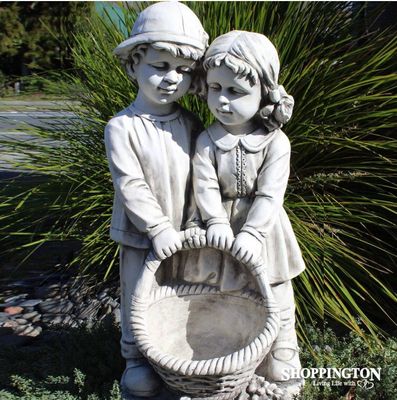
pixel 129 182
pixel 205 183
pixel 272 183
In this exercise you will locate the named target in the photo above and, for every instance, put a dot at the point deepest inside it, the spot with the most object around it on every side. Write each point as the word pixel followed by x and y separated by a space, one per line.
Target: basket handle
pixel 152 263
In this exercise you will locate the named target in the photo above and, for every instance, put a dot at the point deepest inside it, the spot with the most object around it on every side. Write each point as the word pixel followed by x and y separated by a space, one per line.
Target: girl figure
pixel 240 174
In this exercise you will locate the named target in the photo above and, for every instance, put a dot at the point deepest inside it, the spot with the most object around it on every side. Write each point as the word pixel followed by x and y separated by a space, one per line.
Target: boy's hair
pixel 177 50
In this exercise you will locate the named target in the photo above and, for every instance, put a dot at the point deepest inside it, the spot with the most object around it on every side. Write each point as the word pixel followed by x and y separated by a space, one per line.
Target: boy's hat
pixel 168 21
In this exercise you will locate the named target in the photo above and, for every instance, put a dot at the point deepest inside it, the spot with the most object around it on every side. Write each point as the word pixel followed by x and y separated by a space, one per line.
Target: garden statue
pixel 149 146
pixel 241 169
pixel 223 309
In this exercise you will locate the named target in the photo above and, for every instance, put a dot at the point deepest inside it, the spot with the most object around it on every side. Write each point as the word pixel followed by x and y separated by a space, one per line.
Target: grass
pixel 84 364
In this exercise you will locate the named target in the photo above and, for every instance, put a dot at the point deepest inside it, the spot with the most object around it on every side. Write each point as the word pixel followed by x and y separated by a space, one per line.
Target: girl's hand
pixel 166 243
pixel 220 236
pixel 246 248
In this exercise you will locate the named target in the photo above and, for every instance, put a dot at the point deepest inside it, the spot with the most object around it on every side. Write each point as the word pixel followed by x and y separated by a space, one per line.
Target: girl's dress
pixel 241 180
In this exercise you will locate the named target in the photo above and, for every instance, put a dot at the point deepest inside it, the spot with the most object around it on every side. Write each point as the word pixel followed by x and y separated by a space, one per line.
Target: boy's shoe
pixel 139 379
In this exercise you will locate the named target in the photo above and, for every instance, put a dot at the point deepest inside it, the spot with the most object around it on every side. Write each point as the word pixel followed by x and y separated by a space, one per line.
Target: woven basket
pixel 204 343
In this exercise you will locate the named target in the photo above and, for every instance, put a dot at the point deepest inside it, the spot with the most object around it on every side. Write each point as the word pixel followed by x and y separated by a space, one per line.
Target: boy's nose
pixel 172 76
pixel 223 100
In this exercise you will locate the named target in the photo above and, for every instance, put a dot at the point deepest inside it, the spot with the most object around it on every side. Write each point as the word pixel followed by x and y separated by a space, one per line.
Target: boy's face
pixel 162 78
pixel 234 100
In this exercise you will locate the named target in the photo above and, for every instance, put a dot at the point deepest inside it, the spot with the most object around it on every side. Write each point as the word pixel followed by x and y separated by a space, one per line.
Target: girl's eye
pixel 185 70
pixel 162 66
pixel 233 90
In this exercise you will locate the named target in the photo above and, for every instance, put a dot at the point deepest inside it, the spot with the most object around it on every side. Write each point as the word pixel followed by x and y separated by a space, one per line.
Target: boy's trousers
pixel 131 263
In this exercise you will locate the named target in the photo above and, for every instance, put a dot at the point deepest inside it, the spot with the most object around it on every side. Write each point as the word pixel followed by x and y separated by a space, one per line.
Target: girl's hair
pixel 252 55
pixel 177 50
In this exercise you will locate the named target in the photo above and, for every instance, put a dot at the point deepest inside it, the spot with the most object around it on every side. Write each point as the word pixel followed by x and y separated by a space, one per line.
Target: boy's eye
pixel 162 66
pixel 214 86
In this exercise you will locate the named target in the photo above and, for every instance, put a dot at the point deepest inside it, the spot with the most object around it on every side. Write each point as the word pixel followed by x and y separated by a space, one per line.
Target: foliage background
pixel 35 36
pixel 341 196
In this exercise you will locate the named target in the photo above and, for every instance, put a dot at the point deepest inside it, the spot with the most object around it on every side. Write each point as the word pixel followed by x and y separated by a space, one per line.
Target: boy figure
pixel 149 146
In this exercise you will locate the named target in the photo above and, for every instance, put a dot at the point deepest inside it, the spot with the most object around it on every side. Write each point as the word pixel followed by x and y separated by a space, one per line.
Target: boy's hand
pixel 195 237
pixel 220 236
pixel 166 243
pixel 246 247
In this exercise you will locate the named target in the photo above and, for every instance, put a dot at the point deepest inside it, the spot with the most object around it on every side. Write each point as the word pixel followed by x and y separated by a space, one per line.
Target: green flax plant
pixel 341 192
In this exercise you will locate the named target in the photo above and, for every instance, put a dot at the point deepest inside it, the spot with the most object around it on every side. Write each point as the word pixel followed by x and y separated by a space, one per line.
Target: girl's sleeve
pixel 129 182
pixel 205 183
pixel 271 185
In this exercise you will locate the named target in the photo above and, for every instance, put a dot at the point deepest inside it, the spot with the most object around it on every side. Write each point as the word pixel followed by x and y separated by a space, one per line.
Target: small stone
pixel 28 329
pixel 19 329
pixel 56 321
pixel 14 310
pixel 21 321
pixel 16 299
pixel 31 303
pixel 30 315
pixel 255 397
pixel 278 391
pixel 32 331
pixel 36 318
pixel 10 324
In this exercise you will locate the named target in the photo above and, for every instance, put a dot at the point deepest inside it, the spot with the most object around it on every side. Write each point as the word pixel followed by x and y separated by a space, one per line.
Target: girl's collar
pixel 161 118
pixel 253 142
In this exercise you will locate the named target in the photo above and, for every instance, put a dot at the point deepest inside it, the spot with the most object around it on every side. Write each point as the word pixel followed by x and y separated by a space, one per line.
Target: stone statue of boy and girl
pixel 170 174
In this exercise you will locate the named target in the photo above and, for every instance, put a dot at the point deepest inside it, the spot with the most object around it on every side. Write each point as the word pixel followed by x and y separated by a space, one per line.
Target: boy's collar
pixel 152 117
pixel 253 142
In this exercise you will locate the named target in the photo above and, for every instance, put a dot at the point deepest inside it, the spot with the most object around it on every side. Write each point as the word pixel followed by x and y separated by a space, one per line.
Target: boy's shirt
pixel 150 163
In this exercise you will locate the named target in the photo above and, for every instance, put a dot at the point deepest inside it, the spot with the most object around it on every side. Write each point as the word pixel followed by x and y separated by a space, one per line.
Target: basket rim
pixel 251 354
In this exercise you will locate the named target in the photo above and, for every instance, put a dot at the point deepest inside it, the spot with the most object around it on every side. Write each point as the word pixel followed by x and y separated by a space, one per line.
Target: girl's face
pixel 234 100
